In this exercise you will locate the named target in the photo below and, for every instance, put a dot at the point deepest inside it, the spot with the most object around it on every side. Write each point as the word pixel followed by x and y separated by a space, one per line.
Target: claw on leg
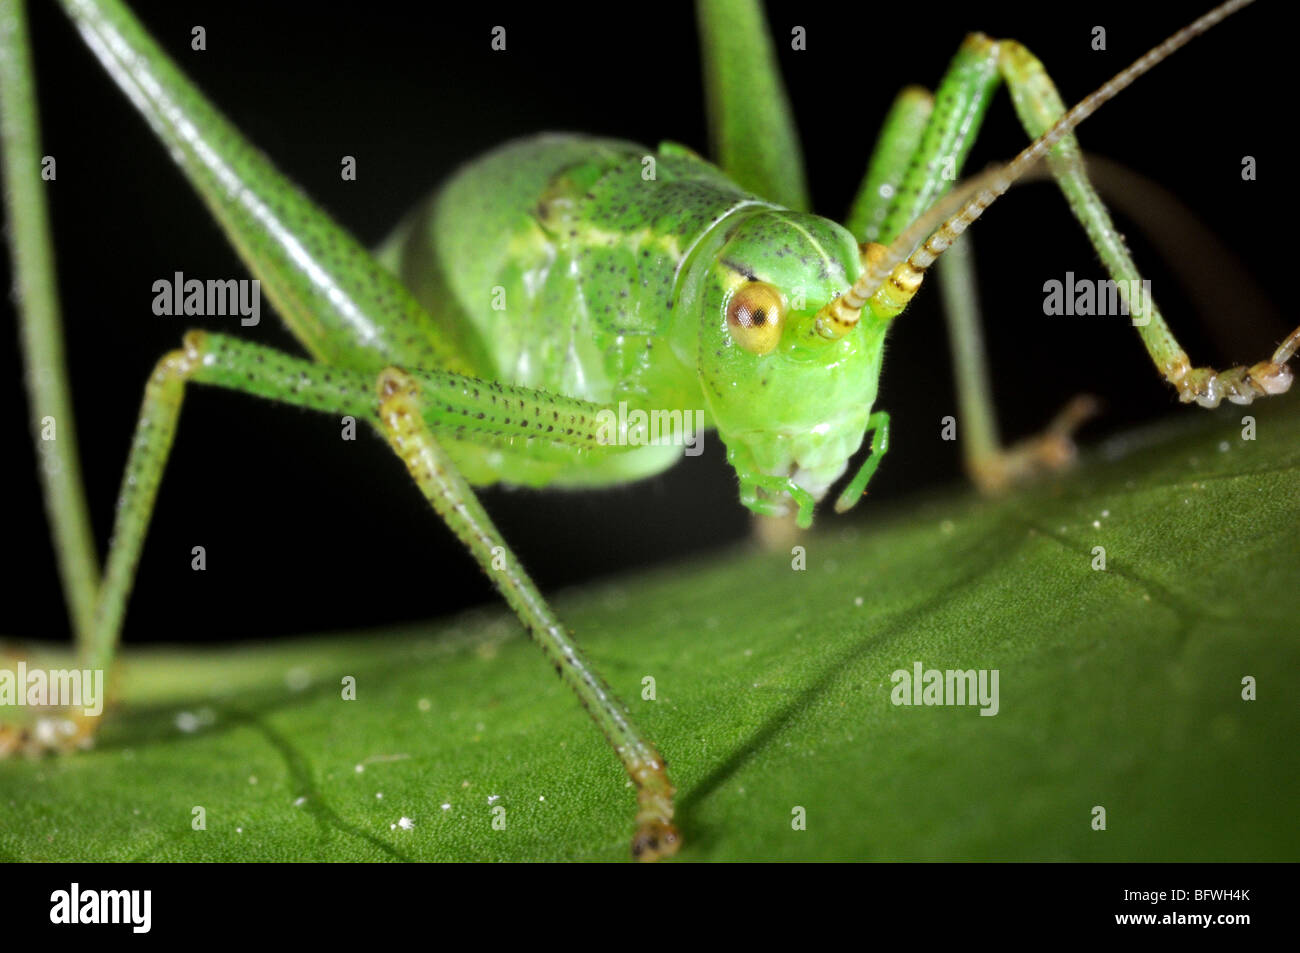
pixel 1047 452
pixel 33 730
pixel 1241 385
pixel 656 835
pixel 655 839
pixel 54 731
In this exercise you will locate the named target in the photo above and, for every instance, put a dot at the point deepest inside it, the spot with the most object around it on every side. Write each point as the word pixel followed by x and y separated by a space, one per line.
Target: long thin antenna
pixel 839 316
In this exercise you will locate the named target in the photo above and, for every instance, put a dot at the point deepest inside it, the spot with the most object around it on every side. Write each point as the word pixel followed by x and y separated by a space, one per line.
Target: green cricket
pixel 560 279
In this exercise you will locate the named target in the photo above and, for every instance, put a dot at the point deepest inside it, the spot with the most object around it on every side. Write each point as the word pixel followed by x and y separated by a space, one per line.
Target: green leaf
pixel 1119 688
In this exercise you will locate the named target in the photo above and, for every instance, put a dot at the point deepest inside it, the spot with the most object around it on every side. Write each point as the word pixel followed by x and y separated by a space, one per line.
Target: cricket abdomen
pixel 554 262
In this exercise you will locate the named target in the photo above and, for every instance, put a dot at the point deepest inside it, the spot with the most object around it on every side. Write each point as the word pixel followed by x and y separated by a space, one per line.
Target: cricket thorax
pixel 571 282
pixel 608 275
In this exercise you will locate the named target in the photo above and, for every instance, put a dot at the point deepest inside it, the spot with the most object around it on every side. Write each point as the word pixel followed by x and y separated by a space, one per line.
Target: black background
pixel 1009 901
pixel 306 533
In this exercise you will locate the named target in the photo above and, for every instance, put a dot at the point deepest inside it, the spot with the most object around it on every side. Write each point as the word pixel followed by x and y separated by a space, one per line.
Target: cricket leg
pixel 878 427
pixel 751 129
pixel 990 465
pixel 41 335
pixel 36 296
pixel 1039 105
pixel 203 358
pixel 921 149
pixel 402 419
pixel 897 145
pixel 486 411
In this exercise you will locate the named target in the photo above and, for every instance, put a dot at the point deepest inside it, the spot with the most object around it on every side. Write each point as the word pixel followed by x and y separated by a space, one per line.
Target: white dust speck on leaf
pixel 424 704
pixel 45 731
pixel 191 721
pixel 297 678
pixel 857 600
pixel 445 807
pixel 1224 446
pixel 300 801
pixel 360 768
pixel 405 823
pixel 379 795
pixel 1096 524
pixel 252 779
pixel 493 798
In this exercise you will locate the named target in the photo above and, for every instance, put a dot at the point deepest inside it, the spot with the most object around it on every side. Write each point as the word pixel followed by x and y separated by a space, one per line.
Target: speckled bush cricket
pixel 772 318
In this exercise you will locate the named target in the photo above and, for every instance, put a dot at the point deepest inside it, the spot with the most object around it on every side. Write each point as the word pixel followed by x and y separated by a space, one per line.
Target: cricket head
pixel 790 402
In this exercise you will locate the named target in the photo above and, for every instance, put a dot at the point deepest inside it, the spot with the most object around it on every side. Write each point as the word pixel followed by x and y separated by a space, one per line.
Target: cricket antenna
pixel 903 264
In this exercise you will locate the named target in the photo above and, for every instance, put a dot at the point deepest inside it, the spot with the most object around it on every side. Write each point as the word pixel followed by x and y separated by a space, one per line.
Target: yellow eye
pixel 755 313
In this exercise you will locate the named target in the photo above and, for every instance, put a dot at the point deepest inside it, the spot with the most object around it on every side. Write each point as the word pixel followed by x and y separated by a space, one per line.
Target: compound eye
pixel 755 313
